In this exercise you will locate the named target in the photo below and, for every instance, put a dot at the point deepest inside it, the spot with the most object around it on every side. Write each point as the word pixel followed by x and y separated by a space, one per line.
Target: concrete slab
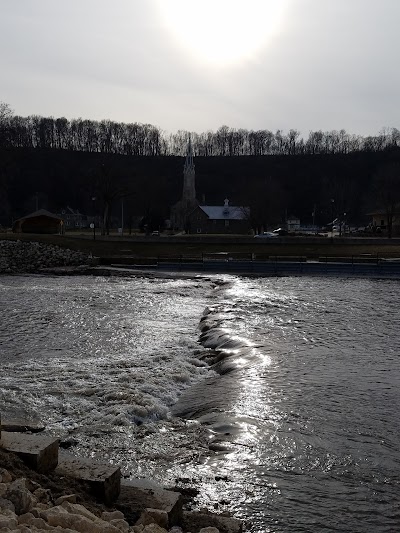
pixel 104 479
pixel 140 494
pixel 39 452
pixel 20 425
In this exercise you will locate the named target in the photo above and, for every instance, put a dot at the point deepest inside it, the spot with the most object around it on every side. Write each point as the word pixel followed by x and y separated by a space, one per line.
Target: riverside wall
pixel 332 267
pixel 292 268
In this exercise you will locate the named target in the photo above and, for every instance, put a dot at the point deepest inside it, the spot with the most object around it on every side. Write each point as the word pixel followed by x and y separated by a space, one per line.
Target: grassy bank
pixel 196 246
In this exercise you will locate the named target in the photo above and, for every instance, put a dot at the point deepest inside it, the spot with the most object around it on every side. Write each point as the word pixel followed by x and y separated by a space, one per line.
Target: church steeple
pixel 189 190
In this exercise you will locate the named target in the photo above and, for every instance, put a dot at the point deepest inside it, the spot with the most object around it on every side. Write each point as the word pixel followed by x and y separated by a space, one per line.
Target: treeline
pixel 136 139
pixel 53 163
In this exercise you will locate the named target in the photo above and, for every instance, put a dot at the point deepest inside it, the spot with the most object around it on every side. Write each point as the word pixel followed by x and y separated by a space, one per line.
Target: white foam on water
pixel 92 352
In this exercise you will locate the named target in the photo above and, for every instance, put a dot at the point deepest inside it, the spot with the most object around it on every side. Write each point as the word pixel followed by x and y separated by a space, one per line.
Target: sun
pixel 222 32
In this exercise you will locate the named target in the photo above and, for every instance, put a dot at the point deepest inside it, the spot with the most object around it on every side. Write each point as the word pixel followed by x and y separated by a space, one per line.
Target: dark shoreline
pixel 387 270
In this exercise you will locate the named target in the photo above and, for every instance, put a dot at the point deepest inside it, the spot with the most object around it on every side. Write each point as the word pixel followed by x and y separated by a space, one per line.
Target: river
pixel 282 408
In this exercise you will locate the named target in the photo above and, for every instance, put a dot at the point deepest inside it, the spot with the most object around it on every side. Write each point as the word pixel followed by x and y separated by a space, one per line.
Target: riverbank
pixel 34 502
pixel 17 257
pixel 140 248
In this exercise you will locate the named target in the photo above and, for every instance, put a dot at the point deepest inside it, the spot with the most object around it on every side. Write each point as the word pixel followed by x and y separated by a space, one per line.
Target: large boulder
pixel 22 498
pixel 140 494
pixel 77 518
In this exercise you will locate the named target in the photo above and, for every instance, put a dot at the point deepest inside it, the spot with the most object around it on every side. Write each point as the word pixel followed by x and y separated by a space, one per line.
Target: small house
pixel 73 219
pixel 380 220
pixel 40 221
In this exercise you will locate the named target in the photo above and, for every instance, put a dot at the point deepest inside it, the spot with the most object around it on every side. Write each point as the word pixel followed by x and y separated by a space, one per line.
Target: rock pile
pixel 19 256
pixel 43 488
pixel 26 506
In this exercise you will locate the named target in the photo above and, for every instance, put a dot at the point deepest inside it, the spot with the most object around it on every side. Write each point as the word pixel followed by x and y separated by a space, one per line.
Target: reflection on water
pixel 311 438
pixel 290 392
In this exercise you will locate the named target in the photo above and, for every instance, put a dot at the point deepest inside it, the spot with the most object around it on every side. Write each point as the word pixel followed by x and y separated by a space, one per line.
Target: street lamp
pixel 313 217
pixel 332 213
pixel 122 216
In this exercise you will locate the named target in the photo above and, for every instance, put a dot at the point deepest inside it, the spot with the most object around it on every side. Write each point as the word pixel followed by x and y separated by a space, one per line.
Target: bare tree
pixel 107 188
pixel 5 112
pixel 5 116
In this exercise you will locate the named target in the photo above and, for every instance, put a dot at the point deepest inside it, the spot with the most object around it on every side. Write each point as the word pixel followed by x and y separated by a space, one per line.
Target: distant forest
pixel 53 162
pixel 108 137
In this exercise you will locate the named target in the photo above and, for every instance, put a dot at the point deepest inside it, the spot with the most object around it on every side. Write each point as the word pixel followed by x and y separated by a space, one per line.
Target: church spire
pixel 189 191
pixel 189 164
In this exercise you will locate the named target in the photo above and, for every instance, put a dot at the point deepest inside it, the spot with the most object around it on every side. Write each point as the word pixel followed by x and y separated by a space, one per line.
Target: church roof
pixel 223 212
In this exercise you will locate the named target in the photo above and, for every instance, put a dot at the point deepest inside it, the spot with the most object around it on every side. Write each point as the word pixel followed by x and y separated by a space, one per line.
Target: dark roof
pixel 68 210
pixel 384 211
pixel 40 213
pixel 222 212
pixel 377 212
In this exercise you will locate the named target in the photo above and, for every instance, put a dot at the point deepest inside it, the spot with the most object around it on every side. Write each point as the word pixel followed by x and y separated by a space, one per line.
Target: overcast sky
pixel 200 64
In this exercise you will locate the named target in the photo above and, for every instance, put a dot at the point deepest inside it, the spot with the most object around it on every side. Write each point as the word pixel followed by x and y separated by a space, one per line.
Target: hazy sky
pixel 200 64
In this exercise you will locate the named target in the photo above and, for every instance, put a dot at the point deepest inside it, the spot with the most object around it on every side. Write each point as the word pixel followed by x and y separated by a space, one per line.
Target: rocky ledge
pixel 43 489
pixel 20 256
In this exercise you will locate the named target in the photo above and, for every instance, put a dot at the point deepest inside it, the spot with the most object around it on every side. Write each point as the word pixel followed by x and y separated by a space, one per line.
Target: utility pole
pixel 93 224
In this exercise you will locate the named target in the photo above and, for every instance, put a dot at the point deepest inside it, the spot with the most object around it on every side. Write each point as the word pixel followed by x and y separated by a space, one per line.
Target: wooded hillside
pixel 271 185
pixel 52 163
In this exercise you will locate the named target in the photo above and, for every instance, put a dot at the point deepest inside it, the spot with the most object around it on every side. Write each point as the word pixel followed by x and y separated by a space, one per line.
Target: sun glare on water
pixel 222 32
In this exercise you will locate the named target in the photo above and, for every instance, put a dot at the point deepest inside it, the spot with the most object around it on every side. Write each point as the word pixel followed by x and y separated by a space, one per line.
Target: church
pixel 189 216
pixel 180 212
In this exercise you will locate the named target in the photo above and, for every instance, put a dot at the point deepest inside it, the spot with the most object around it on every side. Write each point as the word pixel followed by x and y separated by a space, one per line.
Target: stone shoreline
pixel 43 488
pixel 17 257
pixel 26 257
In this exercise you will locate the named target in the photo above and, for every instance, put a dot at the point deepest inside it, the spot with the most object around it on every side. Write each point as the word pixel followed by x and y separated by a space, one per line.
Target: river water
pixel 277 398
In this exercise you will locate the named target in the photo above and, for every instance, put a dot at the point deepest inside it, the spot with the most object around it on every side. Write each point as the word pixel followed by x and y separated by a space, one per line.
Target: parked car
pixel 266 235
pixel 281 231
pixel 155 234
